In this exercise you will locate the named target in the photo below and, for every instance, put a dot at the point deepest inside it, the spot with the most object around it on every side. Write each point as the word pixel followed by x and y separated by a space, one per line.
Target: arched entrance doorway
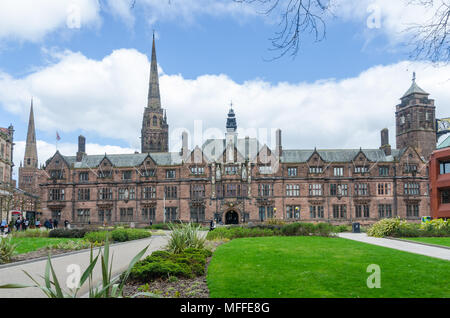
pixel 231 217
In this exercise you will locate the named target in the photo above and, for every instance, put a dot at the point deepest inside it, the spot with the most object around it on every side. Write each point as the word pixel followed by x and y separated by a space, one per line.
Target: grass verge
pixel 31 244
pixel 444 241
pixel 305 267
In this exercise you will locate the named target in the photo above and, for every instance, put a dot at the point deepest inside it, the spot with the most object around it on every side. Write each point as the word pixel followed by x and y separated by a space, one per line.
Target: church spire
pixel 31 158
pixel 154 98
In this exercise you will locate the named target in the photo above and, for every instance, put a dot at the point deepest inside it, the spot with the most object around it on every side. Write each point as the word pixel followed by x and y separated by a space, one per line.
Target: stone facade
pixel 237 180
pixel 416 121
pixel 6 166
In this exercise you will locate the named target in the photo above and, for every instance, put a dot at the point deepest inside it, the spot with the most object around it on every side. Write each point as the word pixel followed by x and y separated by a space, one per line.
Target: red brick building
pixel 237 179
pixel 440 183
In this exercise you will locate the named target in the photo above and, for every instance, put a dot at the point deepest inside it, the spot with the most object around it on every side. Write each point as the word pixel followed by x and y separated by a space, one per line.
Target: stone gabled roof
pixel 338 155
pixel 125 160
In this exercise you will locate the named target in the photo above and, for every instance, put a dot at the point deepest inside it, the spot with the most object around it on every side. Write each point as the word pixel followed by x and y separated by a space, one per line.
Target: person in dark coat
pixel 55 223
pixel 18 223
pixel 66 223
pixel 212 225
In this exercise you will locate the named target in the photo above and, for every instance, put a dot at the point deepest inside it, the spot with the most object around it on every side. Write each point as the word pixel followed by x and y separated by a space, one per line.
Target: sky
pixel 86 65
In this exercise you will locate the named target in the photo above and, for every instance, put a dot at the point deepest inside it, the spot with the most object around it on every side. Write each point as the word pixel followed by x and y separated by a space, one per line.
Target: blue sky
pixel 338 93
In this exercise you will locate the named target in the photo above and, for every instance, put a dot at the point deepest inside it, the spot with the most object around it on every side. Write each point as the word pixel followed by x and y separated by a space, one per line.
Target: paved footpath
pixel 123 254
pixel 431 251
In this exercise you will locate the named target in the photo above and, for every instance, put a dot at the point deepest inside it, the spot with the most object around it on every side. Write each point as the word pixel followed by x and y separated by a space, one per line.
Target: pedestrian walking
pixel 55 223
pixel 3 226
pixel 66 224
pixel 18 223
pixel 212 225
pixel 25 224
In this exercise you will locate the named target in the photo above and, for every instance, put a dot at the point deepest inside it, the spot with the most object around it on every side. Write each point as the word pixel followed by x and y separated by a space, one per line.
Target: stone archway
pixel 232 217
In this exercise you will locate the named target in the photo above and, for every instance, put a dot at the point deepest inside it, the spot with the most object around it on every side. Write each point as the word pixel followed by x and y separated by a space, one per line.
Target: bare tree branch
pixel 431 40
pixel 297 18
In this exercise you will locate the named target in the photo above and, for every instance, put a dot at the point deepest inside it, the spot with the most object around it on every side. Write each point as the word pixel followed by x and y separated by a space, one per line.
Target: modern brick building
pixel 237 179
pixel 440 182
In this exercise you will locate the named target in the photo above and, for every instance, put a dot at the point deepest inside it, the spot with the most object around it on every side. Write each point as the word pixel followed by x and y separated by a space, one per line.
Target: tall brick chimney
pixel 385 146
pixel 184 143
pixel 81 148
pixel 279 147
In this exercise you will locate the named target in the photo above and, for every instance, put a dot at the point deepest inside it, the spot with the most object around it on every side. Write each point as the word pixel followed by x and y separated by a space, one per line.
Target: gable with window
pixel 292 171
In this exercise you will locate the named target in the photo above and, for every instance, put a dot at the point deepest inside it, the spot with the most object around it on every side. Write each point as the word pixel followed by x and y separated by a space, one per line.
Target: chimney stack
pixel 185 143
pixel 81 148
pixel 385 146
pixel 279 147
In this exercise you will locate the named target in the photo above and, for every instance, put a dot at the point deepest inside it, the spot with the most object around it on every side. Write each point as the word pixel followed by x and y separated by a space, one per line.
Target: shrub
pixel 401 228
pixel 98 237
pixel 406 229
pixel 117 235
pixel 75 245
pixel 342 228
pixel 128 234
pixel 185 236
pixel 275 222
pixel 164 264
pixel 31 233
pixel 324 229
pixel 69 233
pixel 298 229
pixel 384 227
pixel 7 249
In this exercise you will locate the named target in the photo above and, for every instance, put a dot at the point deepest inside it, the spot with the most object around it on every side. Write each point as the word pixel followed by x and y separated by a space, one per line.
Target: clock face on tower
pixel 443 125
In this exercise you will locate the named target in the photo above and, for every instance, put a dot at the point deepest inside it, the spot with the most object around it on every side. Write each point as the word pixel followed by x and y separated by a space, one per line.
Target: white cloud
pixel 397 17
pixel 108 97
pixel 31 20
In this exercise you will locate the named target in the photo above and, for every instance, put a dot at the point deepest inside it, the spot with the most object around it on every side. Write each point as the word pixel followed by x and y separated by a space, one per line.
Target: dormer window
pixel 57 174
pixel 197 170
pixel 265 169
pixel 149 173
pixel 231 170
pixel 409 168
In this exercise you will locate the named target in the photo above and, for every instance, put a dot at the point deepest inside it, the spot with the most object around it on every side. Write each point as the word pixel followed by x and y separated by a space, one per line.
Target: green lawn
pixel 29 244
pixel 431 240
pixel 306 267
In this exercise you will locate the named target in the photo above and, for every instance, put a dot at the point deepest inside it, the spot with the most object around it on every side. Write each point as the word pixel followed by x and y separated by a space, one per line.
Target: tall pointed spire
pixel 31 158
pixel 154 98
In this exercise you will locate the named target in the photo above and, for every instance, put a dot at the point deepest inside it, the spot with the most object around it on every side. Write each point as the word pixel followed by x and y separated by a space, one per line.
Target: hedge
pixel 163 264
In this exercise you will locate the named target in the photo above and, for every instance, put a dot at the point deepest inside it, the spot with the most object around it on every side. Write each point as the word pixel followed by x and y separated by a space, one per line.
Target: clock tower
pixel 415 121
